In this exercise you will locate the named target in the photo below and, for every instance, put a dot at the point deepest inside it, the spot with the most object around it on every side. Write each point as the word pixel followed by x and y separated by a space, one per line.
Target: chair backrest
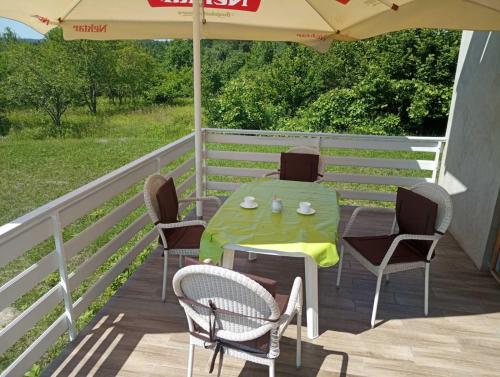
pixel 151 187
pixel 308 150
pixel 229 291
pixel 441 197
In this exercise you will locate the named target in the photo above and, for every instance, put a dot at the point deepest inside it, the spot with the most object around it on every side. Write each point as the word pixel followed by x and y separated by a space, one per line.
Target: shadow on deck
pixel 135 334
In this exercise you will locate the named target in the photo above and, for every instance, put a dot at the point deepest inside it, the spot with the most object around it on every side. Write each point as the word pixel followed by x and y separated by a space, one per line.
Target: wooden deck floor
pixel 138 335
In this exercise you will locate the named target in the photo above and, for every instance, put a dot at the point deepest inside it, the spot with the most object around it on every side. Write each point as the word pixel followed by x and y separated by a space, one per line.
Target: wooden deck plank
pixel 136 334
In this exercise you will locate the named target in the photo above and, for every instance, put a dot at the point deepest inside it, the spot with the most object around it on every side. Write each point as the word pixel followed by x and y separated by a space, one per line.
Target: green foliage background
pixel 400 83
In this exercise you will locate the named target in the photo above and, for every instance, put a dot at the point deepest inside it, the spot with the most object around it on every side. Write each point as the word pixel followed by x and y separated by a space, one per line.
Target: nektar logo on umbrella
pixel 244 5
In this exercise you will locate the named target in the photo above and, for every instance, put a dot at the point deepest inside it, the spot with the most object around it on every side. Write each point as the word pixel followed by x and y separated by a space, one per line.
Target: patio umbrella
pixel 311 22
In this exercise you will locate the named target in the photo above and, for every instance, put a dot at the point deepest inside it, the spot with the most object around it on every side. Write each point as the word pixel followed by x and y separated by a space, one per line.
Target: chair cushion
pixel 374 249
pixel 168 202
pixel 299 167
pixel 416 214
pixel 186 237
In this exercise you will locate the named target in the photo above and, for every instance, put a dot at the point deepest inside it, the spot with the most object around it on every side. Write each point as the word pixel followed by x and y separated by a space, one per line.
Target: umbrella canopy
pixel 311 22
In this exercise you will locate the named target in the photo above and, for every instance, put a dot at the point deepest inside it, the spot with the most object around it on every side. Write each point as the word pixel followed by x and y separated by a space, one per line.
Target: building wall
pixel 470 168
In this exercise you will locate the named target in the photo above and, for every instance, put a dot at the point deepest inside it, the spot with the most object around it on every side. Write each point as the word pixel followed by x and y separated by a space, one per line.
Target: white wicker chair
pixel 245 311
pixel 305 150
pixel 431 191
pixel 151 187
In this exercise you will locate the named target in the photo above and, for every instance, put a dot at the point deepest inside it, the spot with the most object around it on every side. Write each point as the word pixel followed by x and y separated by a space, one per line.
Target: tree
pixel 7 39
pixel 135 71
pixel 95 64
pixel 44 76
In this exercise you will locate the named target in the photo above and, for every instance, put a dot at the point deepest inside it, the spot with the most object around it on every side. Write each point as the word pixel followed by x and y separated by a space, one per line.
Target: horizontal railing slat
pixel 14 247
pixel 27 319
pixel 93 292
pixel 222 186
pixel 237 172
pixel 26 280
pixel 231 131
pixel 376 144
pixel 261 140
pixel 182 169
pixel 374 179
pixel 36 349
pixel 243 156
pixel 380 163
pixel 186 185
pixel 329 177
pixel 408 146
pixel 367 195
pixel 91 264
pixel 329 160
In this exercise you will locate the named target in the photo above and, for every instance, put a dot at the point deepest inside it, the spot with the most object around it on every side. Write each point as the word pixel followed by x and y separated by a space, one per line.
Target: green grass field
pixel 35 170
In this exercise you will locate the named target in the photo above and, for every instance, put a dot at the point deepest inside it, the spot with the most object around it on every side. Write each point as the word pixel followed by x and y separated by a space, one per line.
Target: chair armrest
pixel 294 305
pixel 202 199
pixel 405 237
pixel 275 172
pixel 182 224
pixel 358 210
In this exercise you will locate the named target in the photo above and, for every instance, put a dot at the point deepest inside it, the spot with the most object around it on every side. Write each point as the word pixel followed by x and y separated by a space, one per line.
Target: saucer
pixel 311 211
pixel 254 205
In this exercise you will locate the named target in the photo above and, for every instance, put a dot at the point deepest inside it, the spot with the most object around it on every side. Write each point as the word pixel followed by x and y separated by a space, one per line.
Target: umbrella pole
pixel 198 141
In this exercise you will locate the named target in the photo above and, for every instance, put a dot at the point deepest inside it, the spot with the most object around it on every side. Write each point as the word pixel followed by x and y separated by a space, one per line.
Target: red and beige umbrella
pixel 311 22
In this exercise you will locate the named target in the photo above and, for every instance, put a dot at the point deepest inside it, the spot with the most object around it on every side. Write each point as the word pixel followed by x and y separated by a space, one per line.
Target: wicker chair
pixel 230 313
pixel 303 150
pixel 187 233
pixel 395 259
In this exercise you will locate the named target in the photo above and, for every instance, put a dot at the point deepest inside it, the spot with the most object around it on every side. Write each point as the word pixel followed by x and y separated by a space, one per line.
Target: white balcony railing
pixel 230 158
pixel 223 147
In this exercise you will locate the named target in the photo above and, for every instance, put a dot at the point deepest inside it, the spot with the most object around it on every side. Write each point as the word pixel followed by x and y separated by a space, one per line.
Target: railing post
pixel 158 165
pixel 204 161
pixel 437 160
pixel 63 273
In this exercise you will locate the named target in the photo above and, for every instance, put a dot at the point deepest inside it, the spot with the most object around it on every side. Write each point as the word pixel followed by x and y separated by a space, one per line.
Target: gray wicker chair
pixel 246 312
pixel 435 193
pixel 151 187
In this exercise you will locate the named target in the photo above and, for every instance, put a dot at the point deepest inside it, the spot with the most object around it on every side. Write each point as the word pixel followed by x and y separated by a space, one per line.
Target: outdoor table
pixel 312 237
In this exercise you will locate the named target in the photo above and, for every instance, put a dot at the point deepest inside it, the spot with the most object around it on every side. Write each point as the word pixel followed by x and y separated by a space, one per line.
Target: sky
pixel 20 29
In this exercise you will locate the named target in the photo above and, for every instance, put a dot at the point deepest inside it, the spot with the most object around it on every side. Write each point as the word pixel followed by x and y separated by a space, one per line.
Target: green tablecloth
pixel 288 231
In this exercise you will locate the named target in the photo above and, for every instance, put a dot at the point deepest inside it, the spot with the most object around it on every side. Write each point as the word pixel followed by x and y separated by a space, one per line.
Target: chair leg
pixel 375 301
pixel 190 360
pixel 165 275
pixel 181 260
pixel 426 294
pixel 339 270
pixel 387 278
pixel 252 256
pixel 271 369
pixel 298 361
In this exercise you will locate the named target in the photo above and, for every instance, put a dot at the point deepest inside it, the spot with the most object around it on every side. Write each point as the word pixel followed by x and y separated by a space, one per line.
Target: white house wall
pixel 470 168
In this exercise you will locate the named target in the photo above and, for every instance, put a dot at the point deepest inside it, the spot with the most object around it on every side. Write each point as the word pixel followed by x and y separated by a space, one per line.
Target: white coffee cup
pixel 305 207
pixel 249 201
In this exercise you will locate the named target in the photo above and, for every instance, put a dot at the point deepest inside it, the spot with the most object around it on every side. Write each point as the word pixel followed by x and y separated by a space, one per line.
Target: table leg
pixel 311 272
pixel 228 259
